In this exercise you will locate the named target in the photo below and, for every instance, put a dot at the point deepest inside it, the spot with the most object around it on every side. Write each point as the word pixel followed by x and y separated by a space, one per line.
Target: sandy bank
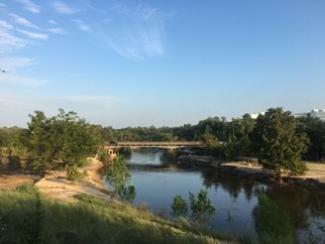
pixel 313 177
pixel 55 185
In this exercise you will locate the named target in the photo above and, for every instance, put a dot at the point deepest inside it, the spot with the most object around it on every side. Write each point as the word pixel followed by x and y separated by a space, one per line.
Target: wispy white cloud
pixel 14 79
pixel 2 5
pixel 4 25
pixel 34 35
pixel 58 31
pixel 52 22
pixel 9 41
pixel 82 25
pixel 63 8
pixel 11 64
pixel 136 32
pixel 30 6
pixel 22 21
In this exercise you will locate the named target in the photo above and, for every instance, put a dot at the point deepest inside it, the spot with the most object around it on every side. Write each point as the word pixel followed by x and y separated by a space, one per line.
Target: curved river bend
pixel 235 199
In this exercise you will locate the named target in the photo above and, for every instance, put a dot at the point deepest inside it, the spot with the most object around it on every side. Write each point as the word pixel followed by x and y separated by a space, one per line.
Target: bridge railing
pixel 161 143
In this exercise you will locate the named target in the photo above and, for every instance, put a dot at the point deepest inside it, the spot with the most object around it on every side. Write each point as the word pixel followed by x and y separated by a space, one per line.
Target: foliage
pixel 14 163
pixel 61 140
pixel 201 205
pixel 118 175
pixel 103 155
pixel 27 188
pixel 280 145
pixel 229 149
pixel 315 130
pixel 179 206
pixel 272 225
pixel 125 152
pixel 128 193
pixel 11 137
pixel 65 139
pixel 73 173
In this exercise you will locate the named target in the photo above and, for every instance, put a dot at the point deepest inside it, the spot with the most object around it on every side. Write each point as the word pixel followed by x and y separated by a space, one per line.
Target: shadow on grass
pixel 25 217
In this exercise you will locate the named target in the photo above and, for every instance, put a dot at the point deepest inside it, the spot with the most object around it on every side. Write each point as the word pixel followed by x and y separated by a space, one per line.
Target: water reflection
pixel 236 200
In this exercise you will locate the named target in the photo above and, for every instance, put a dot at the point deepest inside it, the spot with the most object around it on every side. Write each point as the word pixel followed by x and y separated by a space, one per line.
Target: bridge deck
pixel 158 144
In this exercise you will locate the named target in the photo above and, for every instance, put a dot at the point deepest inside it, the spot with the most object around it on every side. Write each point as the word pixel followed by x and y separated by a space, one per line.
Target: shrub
pixel 118 175
pixel 27 188
pixel 128 193
pixel 179 206
pixel 201 205
pixel 14 163
pixel 73 173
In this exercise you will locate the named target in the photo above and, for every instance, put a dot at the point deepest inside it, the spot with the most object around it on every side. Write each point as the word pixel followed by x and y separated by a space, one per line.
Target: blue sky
pixel 132 63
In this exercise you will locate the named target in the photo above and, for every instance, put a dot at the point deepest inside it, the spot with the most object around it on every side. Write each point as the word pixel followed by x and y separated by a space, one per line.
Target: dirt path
pixel 55 184
pixel 12 181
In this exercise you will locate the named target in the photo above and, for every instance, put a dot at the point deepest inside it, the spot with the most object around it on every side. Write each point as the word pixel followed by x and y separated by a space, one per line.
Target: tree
pixel 118 175
pixel 278 143
pixel 315 130
pixel 38 141
pixel 62 140
pixel 179 206
pixel 201 205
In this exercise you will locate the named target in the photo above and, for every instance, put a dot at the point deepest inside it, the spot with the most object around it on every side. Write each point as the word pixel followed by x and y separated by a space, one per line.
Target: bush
pixel 14 163
pixel 27 188
pixel 179 206
pixel 201 205
pixel 118 175
pixel 73 173
pixel 128 193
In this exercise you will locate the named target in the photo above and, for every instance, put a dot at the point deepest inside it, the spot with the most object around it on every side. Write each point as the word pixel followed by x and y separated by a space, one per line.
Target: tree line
pixel 277 138
pixel 242 135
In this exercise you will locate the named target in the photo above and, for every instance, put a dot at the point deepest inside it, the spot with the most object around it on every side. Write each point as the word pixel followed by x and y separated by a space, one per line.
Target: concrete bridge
pixel 156 144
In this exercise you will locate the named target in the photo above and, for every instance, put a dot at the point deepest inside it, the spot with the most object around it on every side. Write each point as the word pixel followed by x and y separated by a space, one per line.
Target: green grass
pixel 26 217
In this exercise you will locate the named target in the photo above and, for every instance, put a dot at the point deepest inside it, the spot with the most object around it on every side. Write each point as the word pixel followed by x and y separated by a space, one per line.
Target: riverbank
pixel 314 176
pixel 31 218
pixel 55 210
pixel 55 185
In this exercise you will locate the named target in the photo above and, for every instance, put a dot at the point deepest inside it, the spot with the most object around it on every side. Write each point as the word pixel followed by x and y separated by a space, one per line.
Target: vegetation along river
pixel 243 208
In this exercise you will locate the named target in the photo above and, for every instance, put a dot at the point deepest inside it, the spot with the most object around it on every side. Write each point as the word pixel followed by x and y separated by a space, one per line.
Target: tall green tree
pixel 315 130
pixel 119 177
pixel 61 140
pixel 278 143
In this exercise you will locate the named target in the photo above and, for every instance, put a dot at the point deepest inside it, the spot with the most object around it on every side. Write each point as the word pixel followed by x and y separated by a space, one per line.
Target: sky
pixel 160 62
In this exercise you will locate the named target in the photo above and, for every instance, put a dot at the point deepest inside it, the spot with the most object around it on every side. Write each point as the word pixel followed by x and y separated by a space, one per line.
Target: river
pixel 235 199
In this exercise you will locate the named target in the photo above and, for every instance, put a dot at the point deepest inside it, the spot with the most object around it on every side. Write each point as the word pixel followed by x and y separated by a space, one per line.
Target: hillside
pixel 28 217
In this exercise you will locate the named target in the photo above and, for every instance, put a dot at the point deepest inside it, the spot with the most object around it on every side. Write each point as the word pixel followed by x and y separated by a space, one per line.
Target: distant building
pixel 318 113
pixel 255 115
pixel 301 115
pixel 315 113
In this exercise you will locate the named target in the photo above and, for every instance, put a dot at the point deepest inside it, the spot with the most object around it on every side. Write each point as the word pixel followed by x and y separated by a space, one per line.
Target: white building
pixel 318 113
pixel 255 115
pixel 315 113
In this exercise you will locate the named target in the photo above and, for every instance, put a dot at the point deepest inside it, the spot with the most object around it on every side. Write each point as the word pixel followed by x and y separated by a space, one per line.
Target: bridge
pixel 156 144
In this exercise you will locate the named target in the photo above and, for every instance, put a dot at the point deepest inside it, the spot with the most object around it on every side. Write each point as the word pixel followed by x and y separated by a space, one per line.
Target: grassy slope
pixel 25 217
